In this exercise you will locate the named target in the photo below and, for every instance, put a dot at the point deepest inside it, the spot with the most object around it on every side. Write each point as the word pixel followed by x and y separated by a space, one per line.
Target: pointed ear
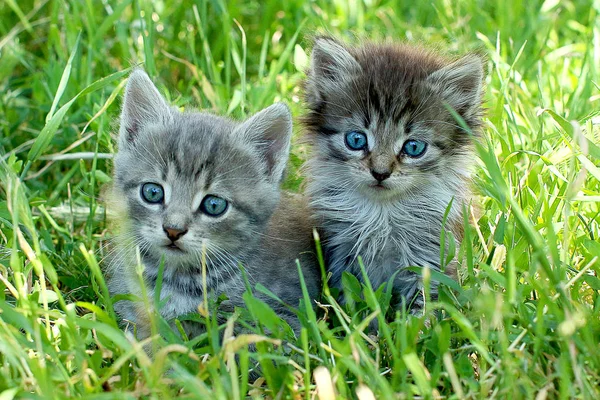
pixel 460 84
pixel 330 64
pixel 142 105
pixel 270 132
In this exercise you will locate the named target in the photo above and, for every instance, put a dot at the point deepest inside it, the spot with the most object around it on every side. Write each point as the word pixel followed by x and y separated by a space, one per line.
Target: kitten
pixel 190 182
pixel 389 157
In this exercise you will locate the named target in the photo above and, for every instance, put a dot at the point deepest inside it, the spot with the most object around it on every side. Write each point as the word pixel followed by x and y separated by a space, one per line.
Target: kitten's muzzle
pixel 174 233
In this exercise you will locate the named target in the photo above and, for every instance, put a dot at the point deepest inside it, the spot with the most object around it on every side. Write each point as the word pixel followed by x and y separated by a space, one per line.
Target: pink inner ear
pixel 131 130
pixel 269 132
pixel 331 60
pixel 143 104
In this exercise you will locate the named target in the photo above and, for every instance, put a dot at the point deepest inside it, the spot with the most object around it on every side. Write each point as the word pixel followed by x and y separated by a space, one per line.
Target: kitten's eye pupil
pixel 414 148
pixel 213 206
pixel 356 140
pixel 153 193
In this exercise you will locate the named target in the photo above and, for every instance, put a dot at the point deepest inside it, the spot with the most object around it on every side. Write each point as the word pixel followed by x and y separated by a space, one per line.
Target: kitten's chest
pixel 182 291
pixel 387 243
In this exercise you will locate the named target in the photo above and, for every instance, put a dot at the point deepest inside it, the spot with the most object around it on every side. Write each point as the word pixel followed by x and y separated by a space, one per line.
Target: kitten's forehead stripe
pixel 374 101
pixel 212 153
pixel 367 119
pixel 201 166
pixel 407 108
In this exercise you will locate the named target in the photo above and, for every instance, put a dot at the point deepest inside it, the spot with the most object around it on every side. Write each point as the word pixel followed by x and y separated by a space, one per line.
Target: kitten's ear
pixel 270 132
pixel 330 63
pixel 460 84
pixel 142 105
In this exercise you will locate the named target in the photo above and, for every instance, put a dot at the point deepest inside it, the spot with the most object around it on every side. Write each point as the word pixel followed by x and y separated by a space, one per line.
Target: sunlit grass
pixel 522 321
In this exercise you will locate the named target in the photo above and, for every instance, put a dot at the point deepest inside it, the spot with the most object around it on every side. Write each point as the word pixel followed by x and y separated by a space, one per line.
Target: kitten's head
pixel 191 179
pixel 379 117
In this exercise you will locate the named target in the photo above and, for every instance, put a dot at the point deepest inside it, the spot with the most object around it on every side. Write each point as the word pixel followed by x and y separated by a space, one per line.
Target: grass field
pixel 524 320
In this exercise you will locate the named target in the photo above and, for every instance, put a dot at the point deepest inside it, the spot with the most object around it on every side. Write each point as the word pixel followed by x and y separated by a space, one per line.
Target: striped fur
pixel 190 155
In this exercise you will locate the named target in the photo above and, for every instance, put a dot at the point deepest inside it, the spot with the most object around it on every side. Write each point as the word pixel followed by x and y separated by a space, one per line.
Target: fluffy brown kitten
pixel 389 157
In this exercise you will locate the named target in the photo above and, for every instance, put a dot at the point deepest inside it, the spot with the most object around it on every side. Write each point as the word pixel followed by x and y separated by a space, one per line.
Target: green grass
pixel 522 322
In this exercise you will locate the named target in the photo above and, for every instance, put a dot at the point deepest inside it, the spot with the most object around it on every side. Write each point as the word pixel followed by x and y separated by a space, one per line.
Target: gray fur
pixel 392 93
pixel 192 154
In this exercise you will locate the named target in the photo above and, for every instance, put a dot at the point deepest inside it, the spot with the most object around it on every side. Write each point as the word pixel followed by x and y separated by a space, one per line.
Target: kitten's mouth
pixel 174 247
pixel 381 191
pixel 379 186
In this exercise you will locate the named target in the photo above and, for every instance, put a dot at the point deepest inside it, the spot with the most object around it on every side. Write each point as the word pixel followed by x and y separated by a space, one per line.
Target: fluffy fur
pixel 191 155
pixel 392 93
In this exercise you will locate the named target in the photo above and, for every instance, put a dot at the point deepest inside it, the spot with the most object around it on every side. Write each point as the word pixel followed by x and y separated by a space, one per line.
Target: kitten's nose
pixel 380 176
pixel 174 233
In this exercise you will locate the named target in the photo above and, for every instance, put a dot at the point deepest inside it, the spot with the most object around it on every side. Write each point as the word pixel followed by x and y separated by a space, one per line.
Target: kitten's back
pixel 289 236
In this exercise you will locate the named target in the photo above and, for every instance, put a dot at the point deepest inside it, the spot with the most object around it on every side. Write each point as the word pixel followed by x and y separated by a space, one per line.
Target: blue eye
pixel 213 205
pixel 153 193
pixel 356 140
pixel 414 148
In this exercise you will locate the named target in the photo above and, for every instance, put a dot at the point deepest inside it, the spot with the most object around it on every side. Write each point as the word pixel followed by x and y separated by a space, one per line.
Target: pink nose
pixel 174 233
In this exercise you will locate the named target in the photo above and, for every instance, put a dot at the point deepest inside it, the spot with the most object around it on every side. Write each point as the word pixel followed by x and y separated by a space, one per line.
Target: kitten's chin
pixel 170 251
pixel 380 192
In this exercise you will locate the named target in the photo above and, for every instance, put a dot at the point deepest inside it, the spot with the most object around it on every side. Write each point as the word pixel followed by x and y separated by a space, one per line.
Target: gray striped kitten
pixel 389 157
pixel 189 182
